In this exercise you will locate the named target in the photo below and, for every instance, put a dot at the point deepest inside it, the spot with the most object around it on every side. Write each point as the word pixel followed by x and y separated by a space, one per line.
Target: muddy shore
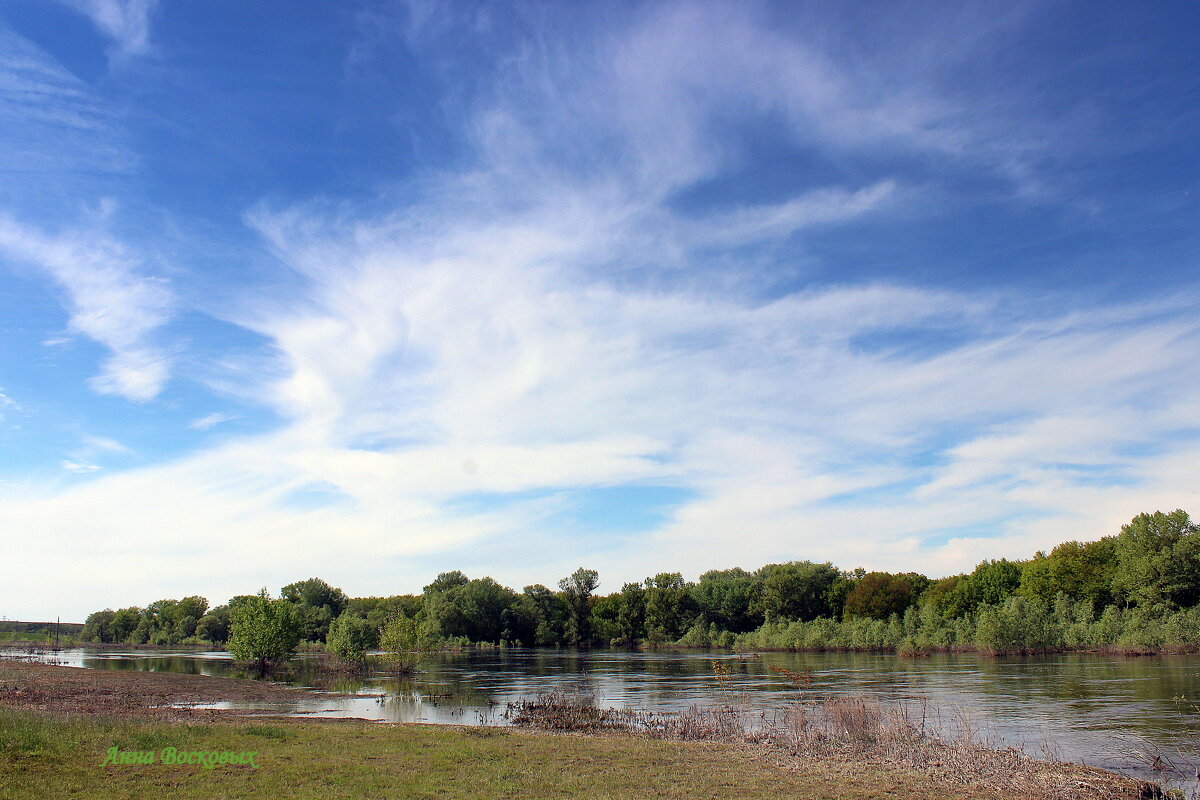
pixel 147 695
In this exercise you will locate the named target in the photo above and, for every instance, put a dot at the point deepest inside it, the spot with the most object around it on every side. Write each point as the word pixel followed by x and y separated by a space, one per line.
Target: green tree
pixel 551 616
pixel 797 590
pixel 473 610
pixel 878 595
pixel 214 626
pixel 726 597
pixel 263 631
pixel 318 603
pixel 604 621
pixel 98 626
pixel 521 620
pixel 577 591
pixel 406 640
pixel 1158 561
pixel 947 597
pixel 446 581
pixel 350 637
pixel 667 607
pixel 993 582
pixel 124 624
pixel 631 613
pixel 1084 571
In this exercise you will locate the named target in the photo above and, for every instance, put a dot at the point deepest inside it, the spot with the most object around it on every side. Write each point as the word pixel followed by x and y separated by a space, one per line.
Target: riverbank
pixel 57 725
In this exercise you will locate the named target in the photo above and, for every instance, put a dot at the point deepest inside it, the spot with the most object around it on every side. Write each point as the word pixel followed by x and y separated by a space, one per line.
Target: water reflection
pixel 1091 708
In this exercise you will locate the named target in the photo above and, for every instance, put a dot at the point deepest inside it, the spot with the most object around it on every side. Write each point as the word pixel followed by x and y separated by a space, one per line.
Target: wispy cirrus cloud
pixel 564 310
pixel 110 299
pixel 125 22
pixel 210 421
pixel 51 122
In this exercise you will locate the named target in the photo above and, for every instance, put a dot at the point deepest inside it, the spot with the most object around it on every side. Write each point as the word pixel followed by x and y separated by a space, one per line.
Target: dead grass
pixel 847 733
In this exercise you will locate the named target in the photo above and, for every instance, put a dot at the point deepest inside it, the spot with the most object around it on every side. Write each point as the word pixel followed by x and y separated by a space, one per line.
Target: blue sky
pixel 372 290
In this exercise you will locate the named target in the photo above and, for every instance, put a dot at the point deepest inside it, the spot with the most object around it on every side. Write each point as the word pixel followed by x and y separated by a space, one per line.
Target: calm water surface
pixel 1103 710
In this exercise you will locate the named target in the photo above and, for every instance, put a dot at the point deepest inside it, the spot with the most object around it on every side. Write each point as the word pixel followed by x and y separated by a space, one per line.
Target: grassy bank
pixel 59 725
pixel 46 756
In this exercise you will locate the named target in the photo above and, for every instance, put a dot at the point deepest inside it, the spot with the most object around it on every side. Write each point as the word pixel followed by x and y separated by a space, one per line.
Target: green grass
pixel 43 757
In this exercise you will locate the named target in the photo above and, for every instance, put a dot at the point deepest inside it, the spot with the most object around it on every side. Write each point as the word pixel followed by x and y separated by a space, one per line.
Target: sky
pixel 372 290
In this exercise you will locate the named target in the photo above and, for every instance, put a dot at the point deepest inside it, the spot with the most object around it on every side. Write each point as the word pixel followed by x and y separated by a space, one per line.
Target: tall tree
pixel 319 605
pixel 796 590
pixel 577 591
pixel 880 594
pixel 1083 571
pixel 668 607
pixel 1158 561
pixel 726 597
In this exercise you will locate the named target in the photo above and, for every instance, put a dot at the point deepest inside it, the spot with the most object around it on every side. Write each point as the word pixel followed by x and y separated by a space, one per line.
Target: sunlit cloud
pixel 597 286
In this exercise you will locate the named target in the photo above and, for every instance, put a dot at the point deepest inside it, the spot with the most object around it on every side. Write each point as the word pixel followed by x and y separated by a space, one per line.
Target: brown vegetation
pixel 158 695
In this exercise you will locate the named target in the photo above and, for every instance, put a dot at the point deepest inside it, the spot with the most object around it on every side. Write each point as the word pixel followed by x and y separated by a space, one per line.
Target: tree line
pixel 1138 589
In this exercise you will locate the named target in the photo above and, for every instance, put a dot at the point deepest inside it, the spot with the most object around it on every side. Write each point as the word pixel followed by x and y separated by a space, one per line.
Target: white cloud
pixel 104 444
pixel 110 299
pixel 126 22
pixel 79 467
pixel 51 122
pixel 515 328
pixel 209 421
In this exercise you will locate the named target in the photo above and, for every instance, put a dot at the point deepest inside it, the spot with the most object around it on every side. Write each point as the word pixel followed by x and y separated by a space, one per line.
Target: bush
pixel 264 631
pixel 350 638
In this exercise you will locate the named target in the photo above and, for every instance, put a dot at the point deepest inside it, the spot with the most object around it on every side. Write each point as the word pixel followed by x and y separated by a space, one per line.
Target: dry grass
pixel 857 733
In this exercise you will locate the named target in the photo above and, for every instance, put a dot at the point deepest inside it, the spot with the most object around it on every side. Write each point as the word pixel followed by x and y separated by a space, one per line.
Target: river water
pixel 1109 711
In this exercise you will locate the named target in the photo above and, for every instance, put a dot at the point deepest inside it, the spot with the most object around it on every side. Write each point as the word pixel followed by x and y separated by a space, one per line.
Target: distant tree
pixel 483 602
pixel 993 582
pixel 1158 561
pixel 577 591
pixel 446 581
pixel 263 631
pixel 797 590
pixel 214 625
pixel 125 624
pixel 1083 571
pixel 667 607
pixel 839 590
pixel 631 613
pixel 318 603
pixel 605 618
pixel 520 621
pixel 947 597
pixel 98 627
pixel 551 616
pixel 880 594
pixel 726 597
pixel 378 610
pixel 473 610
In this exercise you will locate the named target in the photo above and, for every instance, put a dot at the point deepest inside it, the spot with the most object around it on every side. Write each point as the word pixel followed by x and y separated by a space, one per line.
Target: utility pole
pixel 57 628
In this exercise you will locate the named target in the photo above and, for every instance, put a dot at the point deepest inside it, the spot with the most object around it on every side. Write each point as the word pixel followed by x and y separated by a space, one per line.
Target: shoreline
pixel 87 704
